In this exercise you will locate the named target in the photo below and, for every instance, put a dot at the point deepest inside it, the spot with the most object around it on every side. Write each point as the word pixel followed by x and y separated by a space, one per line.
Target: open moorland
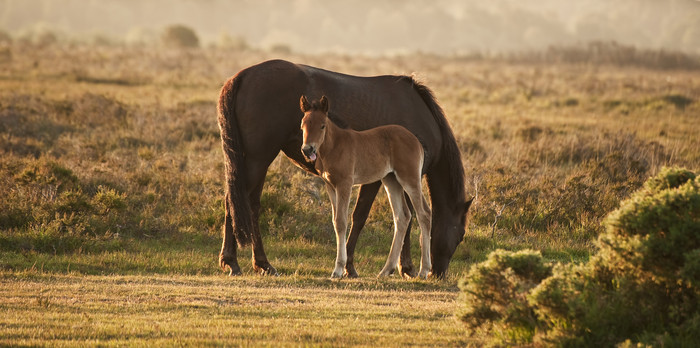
pixel 111 185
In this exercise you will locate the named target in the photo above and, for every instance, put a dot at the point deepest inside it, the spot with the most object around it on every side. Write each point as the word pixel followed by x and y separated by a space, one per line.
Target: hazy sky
pixel 442 26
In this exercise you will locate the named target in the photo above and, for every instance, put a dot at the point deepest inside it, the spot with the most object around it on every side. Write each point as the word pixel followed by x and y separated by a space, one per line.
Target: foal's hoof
pixel 385 273
pixel 425 274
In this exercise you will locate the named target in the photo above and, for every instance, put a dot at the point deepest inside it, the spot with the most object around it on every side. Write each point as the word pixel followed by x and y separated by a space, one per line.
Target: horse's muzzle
pixel 309 152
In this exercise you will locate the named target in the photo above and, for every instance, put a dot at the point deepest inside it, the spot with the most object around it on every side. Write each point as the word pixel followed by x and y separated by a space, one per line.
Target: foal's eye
pixel 323 126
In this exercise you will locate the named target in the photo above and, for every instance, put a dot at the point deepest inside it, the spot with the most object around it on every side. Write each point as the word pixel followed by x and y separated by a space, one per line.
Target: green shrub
pixel 106 200
pixel 496 294
pixel 48 209
pixel 641 286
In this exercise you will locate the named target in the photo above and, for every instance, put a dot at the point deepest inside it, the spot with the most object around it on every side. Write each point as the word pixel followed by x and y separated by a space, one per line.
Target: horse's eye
pixel 323 126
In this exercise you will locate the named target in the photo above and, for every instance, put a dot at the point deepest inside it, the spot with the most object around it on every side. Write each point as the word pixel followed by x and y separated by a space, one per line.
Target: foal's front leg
pixel 340 199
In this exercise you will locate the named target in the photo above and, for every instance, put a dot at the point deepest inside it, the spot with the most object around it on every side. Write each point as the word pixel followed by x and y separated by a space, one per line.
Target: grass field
pixel 111 178
pixel 213 310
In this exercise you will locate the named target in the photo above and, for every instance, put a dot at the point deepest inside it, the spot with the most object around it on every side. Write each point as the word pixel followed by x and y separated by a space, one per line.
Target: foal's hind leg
pixel 402 217
pixel 424 220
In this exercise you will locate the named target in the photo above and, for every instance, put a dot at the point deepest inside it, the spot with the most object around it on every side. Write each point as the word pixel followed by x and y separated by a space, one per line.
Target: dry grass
pixel 111 174
pixel 69 310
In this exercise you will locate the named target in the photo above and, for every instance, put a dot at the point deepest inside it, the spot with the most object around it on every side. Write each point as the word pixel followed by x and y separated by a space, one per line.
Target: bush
pixel 48 209
pixel 179 36
pixel 496 294
pixel 642 285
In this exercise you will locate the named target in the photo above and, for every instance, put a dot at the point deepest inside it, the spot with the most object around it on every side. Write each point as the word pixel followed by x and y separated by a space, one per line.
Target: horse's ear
pixel 468 205
pixel 324 104
pixel 304 104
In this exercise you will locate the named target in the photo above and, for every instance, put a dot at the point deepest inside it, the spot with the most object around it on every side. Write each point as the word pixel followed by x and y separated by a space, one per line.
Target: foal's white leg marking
pixel 402 215
pixel 412 185
pixel 340 224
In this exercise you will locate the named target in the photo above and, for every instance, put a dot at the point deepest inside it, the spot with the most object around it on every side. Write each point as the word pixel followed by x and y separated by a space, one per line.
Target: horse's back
pixel 268 103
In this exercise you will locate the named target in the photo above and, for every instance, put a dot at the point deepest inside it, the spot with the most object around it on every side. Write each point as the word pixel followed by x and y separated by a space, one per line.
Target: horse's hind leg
pixel 402 217
pixel 228 255
pixel 365 198
pixel 260 263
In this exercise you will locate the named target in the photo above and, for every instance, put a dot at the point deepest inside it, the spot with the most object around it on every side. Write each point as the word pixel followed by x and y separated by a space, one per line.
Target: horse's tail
pixel 237 202
pixel 449 155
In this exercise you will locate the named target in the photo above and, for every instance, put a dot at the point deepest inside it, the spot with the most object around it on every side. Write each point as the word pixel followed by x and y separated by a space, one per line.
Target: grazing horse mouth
pixel 309 152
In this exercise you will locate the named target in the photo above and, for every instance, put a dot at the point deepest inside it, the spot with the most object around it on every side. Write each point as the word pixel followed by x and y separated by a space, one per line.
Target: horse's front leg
pixel 406 268
pixel 340 224
pixel 359 216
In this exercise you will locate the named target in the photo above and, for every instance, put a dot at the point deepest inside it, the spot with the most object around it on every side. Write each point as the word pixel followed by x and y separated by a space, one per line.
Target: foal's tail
pixel 237 202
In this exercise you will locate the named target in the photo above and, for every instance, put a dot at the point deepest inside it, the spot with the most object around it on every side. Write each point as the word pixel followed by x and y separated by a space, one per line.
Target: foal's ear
pixel 324 104
pixel 304 104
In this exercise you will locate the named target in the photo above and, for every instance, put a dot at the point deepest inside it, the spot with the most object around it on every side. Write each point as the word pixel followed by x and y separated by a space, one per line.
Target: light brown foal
pixel 345 157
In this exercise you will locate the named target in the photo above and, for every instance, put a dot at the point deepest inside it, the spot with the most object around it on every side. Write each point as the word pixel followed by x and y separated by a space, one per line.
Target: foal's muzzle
pixel 309 152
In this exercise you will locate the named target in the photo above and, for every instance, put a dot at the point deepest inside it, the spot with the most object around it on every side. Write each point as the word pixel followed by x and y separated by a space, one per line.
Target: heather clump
pixel 641 285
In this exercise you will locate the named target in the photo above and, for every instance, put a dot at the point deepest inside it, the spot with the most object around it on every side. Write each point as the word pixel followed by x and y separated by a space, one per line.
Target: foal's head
pixel 313 125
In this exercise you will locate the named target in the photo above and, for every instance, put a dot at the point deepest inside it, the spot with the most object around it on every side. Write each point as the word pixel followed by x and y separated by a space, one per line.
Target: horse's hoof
pixel 424 275
pixel 336 275
pixel 407 272
pixel 234 269
pixel 350 272
pixel 234 272
pixel 265 270
pixel 271 271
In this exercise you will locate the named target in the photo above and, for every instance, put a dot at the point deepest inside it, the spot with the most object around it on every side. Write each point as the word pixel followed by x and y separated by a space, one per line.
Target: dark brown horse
pixel 259 116
pixel 346 157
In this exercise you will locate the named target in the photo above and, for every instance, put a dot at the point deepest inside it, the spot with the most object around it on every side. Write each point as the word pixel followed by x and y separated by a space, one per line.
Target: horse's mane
pixel 335 118
pixel 450 150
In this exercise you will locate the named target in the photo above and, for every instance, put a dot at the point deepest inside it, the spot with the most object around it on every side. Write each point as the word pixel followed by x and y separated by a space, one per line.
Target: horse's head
pixel 454 228
pixel 313 125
